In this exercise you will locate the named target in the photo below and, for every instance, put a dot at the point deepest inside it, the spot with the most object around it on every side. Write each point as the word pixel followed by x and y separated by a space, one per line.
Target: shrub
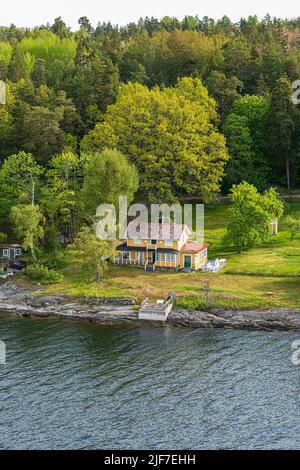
pixel 38 272
pixel 3 237
pixel 190 303
pixel 55 259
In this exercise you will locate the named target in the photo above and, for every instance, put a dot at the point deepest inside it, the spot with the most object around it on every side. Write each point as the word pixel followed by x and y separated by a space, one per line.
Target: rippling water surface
pixel 81 386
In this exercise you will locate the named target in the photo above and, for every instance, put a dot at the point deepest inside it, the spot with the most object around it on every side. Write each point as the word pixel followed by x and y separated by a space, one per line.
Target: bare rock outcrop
pixel 21 302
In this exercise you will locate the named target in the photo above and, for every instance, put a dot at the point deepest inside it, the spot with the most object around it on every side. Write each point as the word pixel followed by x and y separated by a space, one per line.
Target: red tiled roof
pixel 194 247
pixel 156 231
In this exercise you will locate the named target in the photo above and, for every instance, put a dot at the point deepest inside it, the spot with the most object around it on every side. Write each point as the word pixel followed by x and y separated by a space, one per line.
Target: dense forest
pixel 60 85
pixel 194 106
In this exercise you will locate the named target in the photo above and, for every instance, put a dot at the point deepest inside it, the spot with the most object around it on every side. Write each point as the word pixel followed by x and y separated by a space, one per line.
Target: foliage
pixel 281 129
pixel 5 52
pixel 91 253
pixel 250 215
pixel 244 130
pixel 19 181
pixel 225 91
pixel 3 237
pixel 293 224
pixel 56 53
pixel 169 135
pixel 28 225
pixel 107 175
pixel 60 193
pixel 43 274
pixel 60 84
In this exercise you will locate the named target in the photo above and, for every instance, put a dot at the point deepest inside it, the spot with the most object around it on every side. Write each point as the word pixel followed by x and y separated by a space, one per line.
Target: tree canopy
pixel 107 175
pixel 251 214
pixel 157 110
pixel 61 84
pixel 169 135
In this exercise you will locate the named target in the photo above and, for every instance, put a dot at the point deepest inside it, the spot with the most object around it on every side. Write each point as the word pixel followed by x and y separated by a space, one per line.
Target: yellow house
pixel 157 246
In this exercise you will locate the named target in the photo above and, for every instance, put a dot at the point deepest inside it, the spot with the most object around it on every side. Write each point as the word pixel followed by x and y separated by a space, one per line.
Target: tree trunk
pixel 33 255
pixel 98 274
pixel 288 180
pixel 33 192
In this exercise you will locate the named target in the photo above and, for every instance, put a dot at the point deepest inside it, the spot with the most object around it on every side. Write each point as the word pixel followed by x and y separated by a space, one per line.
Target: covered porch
pixel 158 258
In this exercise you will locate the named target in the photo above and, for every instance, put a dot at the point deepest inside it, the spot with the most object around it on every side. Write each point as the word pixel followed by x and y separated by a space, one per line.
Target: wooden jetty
pixel 155 312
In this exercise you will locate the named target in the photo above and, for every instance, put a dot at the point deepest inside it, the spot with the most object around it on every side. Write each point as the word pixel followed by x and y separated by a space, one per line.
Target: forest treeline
pixel 196 105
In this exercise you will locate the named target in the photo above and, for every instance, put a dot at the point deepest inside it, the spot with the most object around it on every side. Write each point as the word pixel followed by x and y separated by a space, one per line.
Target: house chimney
pixel 160 222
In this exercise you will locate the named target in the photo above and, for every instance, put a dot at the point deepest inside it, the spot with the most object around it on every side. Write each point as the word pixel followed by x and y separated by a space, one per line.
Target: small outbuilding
pixel 10 251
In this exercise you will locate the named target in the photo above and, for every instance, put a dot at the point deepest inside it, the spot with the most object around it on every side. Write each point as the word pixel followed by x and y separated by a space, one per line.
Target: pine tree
pixel 281 131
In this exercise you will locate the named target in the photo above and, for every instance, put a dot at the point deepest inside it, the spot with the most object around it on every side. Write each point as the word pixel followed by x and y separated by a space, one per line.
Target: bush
pixel 190 303
pixel 38 272
pixel 55 259
pixel 3 237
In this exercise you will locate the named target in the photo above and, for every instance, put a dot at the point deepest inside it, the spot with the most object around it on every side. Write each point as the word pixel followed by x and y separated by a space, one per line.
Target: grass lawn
pixel 268 276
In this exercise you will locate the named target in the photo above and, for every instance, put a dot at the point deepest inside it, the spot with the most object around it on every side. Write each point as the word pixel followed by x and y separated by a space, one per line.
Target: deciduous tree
pixel 107 175
pixel 91 253
pixel 19 181
pixel 169 135
pixel 250 215
pixel 28 226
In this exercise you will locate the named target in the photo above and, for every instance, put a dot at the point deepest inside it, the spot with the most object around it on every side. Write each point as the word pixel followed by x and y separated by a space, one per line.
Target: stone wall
pixel 108 300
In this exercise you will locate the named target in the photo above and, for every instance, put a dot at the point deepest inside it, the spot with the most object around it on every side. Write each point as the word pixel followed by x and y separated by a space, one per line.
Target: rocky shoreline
pixel 19 302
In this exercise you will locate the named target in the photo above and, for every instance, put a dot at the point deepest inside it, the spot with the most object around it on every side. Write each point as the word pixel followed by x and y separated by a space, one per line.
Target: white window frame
pixel 5 252
pixel 170 257
pixel 169 242
pixel 137 241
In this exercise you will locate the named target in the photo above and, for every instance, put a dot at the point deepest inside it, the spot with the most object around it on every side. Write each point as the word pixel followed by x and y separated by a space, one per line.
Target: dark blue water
pixel 81 386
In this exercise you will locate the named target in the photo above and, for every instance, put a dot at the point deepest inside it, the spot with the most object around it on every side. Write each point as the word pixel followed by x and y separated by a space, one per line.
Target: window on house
pixel 169 243
pixel 137 241
pixel 5 252
pixel 170 256
pixel 18 251
pixel 153 242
